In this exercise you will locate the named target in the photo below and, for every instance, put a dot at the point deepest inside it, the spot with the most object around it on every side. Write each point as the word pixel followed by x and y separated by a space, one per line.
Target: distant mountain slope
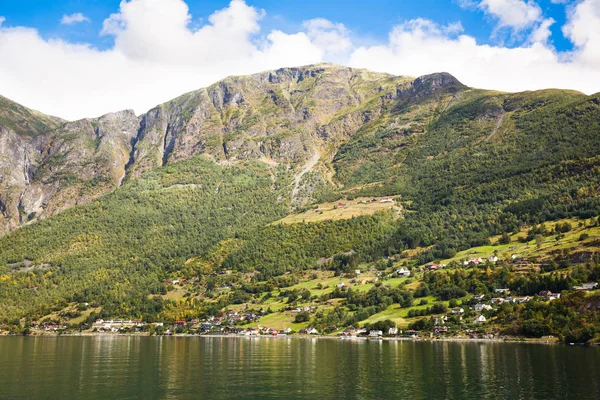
pixel 48 165
pixel 223 162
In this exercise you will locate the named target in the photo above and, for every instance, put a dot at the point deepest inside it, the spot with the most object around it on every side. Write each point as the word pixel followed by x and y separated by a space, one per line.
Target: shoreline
pixel 309 337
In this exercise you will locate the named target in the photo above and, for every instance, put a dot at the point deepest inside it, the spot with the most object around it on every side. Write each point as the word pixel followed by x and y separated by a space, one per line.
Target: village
pixel 466 321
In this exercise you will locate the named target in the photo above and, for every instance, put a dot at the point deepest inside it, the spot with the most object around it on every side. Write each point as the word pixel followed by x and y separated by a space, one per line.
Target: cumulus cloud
pixel 158 54
pixel 516 14
pixel 420 47
pixel 583 29
pixel 330 37
pixel 542 33
pixel 73 19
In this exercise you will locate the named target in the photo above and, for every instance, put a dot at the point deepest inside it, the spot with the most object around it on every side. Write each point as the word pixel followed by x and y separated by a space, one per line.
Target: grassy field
pixel 543 248
pixel 400 315
pixel 333 211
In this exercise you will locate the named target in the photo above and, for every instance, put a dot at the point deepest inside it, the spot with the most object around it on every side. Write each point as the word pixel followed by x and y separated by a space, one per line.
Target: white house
pixel 341 285
pixel 481 307
pixel 480 320
pixel 312 331
pixel 458 310
pixel 502 291
pixel 403 272
pixel 586 286
pixel 374 333
pixel 392 331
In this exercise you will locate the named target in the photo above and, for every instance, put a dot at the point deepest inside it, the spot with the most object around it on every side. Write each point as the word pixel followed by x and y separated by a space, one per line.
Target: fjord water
pixel 286 368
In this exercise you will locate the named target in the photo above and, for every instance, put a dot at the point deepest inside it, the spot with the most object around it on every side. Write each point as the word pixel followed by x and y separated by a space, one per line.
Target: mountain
pixel 203 186
pixel 285 117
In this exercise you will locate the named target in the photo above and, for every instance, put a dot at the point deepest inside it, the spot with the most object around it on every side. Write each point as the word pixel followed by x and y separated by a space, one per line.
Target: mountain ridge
pixel 230 120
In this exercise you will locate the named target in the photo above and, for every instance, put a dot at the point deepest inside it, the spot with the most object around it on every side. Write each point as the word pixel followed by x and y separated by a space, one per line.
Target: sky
pixel 85 58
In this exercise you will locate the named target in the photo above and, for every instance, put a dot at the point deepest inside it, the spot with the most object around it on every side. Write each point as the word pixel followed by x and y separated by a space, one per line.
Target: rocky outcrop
pixel 282 117
pixel 48 170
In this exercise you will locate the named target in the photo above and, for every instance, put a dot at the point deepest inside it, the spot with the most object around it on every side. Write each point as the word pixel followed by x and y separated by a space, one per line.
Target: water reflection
pixel 254 368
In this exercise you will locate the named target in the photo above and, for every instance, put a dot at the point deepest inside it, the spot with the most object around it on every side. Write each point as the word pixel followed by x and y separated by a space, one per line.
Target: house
pixel 493 259
pixel 502 291
pixel 180 323
pixel 340 285
pixel 524 299
pixel 411 333
pixel 480 307
pixel 438 330
pixel 474 261
pixel 357 271
pixel 480 320
pixel 342 205
pixel 287 330
pixel 375 333
pixel 312 331
pixel 549 295
pixel 499 300
pixel 479 297
pixel 432 266
pixel 586 286
pixel 403 272
pixel 393 331
pixel 386 200
pixel 458 310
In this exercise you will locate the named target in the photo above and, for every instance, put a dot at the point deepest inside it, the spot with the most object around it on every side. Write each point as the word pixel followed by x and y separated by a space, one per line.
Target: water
pixel 123 367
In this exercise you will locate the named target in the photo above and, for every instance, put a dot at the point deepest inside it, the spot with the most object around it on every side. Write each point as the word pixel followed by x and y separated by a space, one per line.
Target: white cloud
pixel 583 29
pixel 542 33
pixel 330 37
pixel 419 47
pixel 516 14
pixel 73 19
pixel 158 55
pixel 2 20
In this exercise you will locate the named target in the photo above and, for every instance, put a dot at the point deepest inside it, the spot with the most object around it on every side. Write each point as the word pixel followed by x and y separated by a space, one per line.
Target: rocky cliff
pixel 293 118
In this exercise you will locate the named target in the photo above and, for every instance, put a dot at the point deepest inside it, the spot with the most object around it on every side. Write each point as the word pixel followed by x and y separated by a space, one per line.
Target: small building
pixel 458 310
pixel 438 330
pixel 549 295
pixel 502 291
pixel 403 272
pixel 481 307
pixel 519 300
pixel 341 285
pixel 312 331
pixel 393 331
pixel 586 286
pixel 374 333
pixel 386 200
pixel 480 320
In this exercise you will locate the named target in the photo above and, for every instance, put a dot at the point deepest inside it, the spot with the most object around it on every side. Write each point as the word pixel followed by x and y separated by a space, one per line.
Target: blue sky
pixel 369 21
pixel 76 58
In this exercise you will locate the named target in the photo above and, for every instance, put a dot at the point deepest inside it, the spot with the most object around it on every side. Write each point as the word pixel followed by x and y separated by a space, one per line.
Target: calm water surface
pixel 285 368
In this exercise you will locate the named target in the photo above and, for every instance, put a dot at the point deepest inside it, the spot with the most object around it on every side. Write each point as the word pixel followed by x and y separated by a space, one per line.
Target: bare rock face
pixel 292 117
pixel 60 165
